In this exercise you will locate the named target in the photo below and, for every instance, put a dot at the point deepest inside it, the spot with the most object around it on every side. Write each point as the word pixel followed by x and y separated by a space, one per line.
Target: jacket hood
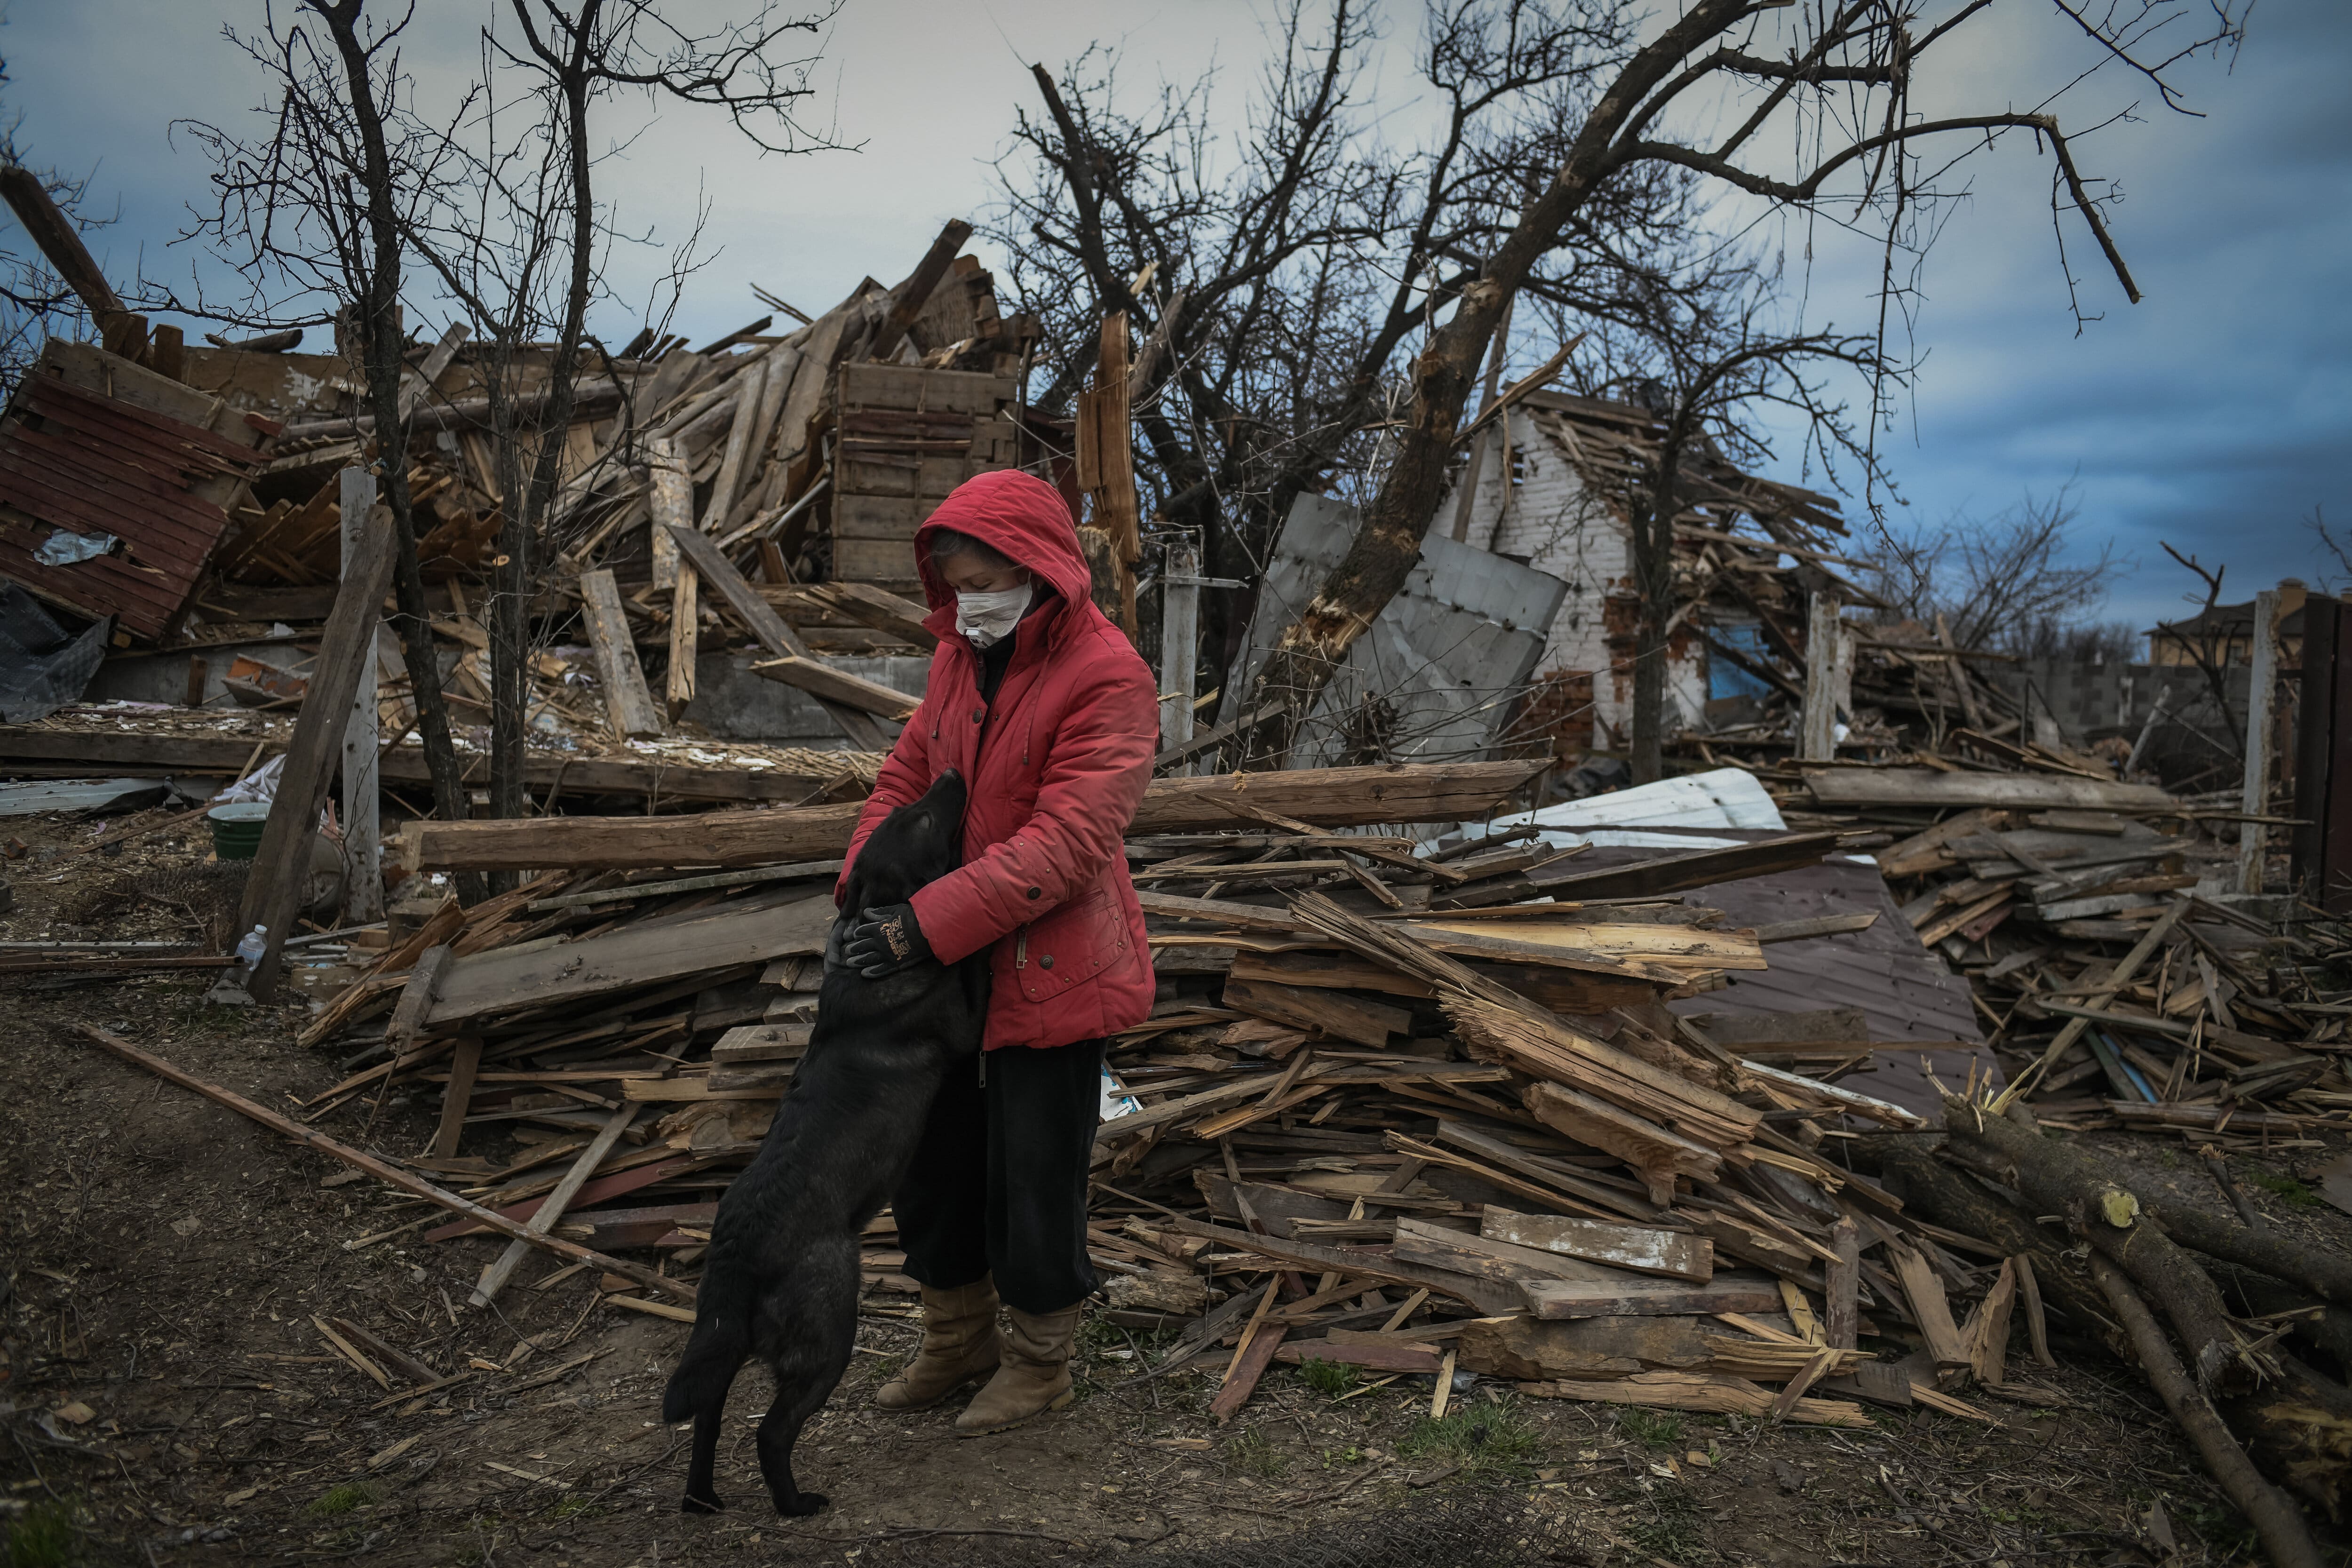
pixel 1021 517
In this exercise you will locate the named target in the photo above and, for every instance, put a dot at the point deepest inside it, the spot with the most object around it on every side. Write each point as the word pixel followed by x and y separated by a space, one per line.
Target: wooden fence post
pixel 363 829
pixel 2323 733
pixel 281 867
pixel 1180 641
pixel 2261 692
pixel 1826 655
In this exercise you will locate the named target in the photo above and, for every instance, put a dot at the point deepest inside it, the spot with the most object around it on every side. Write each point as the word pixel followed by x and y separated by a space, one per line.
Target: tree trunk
pixel 1311 649
pixel 380 316
pixel 2286 1535
pixel 1652 528
pixel 1925 1183
pixel 527 509
pixel 2297 1424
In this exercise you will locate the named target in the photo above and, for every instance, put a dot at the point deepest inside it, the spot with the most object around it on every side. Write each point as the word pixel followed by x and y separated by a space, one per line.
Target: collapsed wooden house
pixel 802 456
pixel 1557 493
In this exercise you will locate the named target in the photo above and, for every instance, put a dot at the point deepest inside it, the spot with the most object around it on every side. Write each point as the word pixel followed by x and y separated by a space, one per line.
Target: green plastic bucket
pixel 237 828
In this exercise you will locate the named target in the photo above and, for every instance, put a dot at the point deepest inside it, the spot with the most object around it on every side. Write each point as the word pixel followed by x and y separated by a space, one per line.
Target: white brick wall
pixel 1553 524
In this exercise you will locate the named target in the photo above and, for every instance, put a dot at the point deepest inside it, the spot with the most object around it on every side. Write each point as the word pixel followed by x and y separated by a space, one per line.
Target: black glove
pixel 885 941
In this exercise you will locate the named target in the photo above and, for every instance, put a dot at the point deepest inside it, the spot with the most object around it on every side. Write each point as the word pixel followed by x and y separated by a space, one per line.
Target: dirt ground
pixel 169 1398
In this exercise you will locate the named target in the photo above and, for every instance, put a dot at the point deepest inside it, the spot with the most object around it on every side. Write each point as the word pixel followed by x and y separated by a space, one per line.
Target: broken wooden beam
pixel 413 1184
pixel 1487 1295
pixel 59 241
pixel 1700 868
pixel 908 299
pixel 495 1275
pixel 500 980
pixel 275 892
pixel 699 552
pixel 1330 797
pixel 824 681
pixel 631 705
pixel 1676 1255
pixel 33 751
pixel 1921 788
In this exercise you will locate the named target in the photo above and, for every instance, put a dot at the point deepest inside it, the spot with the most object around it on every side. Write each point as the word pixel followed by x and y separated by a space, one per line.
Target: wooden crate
pixel 906 438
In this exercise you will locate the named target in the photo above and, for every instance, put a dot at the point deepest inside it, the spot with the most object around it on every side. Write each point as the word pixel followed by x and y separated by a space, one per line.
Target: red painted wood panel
pixel 71 459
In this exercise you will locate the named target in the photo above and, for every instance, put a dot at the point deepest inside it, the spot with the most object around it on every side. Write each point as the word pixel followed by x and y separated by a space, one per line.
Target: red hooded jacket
pixel 1057 768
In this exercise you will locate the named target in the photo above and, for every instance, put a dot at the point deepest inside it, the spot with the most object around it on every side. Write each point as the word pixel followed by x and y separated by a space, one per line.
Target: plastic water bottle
pixel 248 952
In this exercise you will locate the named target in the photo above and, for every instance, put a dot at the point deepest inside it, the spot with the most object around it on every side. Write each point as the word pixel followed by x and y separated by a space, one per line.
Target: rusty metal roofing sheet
pixel 74 460
pixel 1905 991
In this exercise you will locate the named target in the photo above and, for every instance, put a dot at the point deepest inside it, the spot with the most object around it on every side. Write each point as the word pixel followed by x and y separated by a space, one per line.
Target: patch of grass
pixel 2221 1528
pixel 576 1507
pixel 1487 1439
pixel 1674 1530
pixel 1330 1378
pixel 2286 1189
pixel 881 1369
pixel 1098 1333
pixel 43 1536
pixel 1650 1428
pixel 342 1499
pixel 1250 1453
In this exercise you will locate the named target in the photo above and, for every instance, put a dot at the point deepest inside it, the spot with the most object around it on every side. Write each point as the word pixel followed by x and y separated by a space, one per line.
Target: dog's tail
pixel 716 1350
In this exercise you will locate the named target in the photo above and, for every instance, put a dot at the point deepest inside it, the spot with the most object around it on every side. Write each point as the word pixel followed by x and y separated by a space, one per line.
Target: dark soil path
pixel 169 1397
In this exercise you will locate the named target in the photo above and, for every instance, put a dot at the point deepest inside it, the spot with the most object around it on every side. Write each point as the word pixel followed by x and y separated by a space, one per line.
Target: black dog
pixel 781 1282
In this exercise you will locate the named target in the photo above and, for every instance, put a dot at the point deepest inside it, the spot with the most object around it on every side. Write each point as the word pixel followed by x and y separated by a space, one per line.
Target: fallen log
pixel 1329 797
pixel 2285 1534
pixel 1919 788
pixel 32 750
pixel 589 398
pixel 2325 1274
pixel 2062 1179
pixel 2297 1424
pixel 569 1250
pixel 1928 1184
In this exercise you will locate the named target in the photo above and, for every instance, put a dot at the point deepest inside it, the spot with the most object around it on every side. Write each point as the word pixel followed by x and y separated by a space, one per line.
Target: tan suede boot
pixel 1034 1378
pixel 960 1344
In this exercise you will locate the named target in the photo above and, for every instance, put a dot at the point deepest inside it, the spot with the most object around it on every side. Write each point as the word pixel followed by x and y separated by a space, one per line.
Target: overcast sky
pixel 2216 415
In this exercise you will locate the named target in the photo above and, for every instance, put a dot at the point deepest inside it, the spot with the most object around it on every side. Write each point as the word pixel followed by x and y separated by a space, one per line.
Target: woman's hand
pixel 886 940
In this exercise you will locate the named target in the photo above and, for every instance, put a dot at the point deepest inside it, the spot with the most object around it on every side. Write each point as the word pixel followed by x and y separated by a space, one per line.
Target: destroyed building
pixel 1612 1101
pixel 1558 498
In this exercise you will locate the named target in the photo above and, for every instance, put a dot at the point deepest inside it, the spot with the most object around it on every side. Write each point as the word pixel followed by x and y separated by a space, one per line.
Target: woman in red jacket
pixel 1050 716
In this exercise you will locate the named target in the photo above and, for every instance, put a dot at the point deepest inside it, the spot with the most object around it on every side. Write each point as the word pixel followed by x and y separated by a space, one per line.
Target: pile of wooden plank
pixel 2115 932
pixel 1394 1111
pixel 2126 982
pixel 701 491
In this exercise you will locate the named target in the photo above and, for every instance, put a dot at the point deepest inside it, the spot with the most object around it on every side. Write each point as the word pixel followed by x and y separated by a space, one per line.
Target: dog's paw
pixel 802 1505
pixel 692 1504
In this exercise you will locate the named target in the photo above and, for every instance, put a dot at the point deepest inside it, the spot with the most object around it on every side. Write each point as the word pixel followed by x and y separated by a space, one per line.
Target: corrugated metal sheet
pixel 1438 665
pixel 1905 991
pixel 72 459
pixel 1726 798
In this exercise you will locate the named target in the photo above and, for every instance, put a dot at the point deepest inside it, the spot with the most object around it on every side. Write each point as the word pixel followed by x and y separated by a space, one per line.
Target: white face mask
pixel 989 618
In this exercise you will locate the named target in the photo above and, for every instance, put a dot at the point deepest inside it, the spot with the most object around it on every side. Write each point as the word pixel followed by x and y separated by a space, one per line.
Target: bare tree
pixel 490 207
pixel 1818 101
pixel 1693 340
pixel 35 301
pixel 312 216
pixel 1278 281
pixel 2199 643
pixel 2000 584
pixel 517 237
pixel 2339 550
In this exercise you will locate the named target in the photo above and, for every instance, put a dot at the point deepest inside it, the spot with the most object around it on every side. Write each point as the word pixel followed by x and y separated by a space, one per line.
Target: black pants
pixel 999 1182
